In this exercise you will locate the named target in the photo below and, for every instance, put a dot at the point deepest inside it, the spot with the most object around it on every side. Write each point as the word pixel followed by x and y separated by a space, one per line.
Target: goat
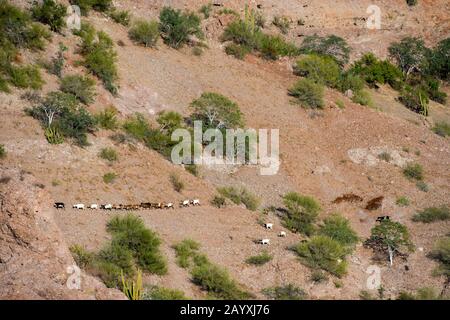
pixel 146 205
pixel 264 241
pixel 158 205
pixel 93 206
pixel 169 205
pixel 282 234
pixel 383 218
pixel 184 203
pixel 79 206
pixel 268 226
pixel 107 206
pixel 59 205
pixel 195 202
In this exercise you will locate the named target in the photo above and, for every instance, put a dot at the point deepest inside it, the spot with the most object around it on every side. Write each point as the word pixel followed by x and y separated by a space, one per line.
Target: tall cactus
pixel 424 105
pixel 132 289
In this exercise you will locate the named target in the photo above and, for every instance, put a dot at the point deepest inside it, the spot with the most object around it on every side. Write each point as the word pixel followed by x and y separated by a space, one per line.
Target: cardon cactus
pixel 53 135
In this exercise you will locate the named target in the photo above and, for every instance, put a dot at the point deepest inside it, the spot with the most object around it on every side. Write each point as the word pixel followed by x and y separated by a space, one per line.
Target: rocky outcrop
pixel 35 262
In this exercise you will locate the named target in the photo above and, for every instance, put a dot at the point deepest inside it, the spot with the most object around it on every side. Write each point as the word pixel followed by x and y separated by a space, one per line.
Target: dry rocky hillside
pixel 324 154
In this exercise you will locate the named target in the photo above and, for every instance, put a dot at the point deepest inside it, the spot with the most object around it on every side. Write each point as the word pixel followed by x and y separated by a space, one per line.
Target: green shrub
pixel 131 233
pixel 87 5
pixel 236 50
pixel 83 88
pixel 120 16
pixel 440 60
pixel 441 253
pixel 425 293
pixel 324 253
pixel 243 33
pixel 332 46
pixel 411 54
pixel 402 201
pixel 340 104
pixel 239 196
pixel 286 292
pixel 169 121
pixel 107 119
pixel 422 186
pixel 283 23
pixel 411 3
pixel 217 282
pixel 228 114
pixel 56 65
pixel 385 156
pixel 176 27
pixel 259 259
pixel 145 33
pixel 302 212
pixel 320 69
pixel 185 251
pixel 338 228
pixel 161 293
pixel 318 276
pixel 54 135
pixel 109 177
pixel 82 257
pixel 273 47
pixel 51 13
pixel 26 77
pixel 432 214
pixel 119 255
pixel 109 154
pixel 442 129
pixel 413 171
pixel 176 182
pixel 415 99
pixel 349 81
pixel 2 151
pixel 99 56
pixel 432 87
pixel 137 126
pixel 192 169
pixel 308 94
pixel 218 201
pixel 206 10
pixel 362 97
pixel 375 71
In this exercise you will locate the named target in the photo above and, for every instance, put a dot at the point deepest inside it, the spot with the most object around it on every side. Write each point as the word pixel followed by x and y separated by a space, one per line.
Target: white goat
pixel 268 226
pixel 93 206
pixel 264 241
pixel 78 206
pixel 282 234
pixel 185 203
pixel 195 202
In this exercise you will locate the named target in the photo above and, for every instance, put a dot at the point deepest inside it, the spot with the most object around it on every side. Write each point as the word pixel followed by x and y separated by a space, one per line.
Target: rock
pixel 321 170
pixel 349 93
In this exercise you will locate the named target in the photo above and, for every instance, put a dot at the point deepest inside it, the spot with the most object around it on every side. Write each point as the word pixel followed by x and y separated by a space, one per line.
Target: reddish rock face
pixel 34 258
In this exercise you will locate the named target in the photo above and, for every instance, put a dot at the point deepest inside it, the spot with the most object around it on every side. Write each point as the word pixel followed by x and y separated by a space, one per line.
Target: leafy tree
pixel 51 13
pixel 331 45
pixel 302 212
pixel 216 111
pixel 169 121
pixel 411 55
pixel 176 27
pixel 440 60
pixel 390 237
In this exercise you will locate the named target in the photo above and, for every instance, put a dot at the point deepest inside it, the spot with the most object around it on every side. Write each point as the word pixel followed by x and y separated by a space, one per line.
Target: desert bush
pixel 109 177
pixel 320 69
pixel 2 151
pixel 425 293
pixel 185 251
pixel 441 253
pixel 137 126
pixel 411 55
pixel 402 201
pixel 236 50
pixel 285 292
pixel 217 282
pixel 302 212
pixel 413 171
pixel 283 23
pixel 332 46
pixel 56 65
pixel 349 81
pixel 385 156
pixel 362 97
pixel 26 77
pixel 432 214
pixel 259 259
pixel 340 104
pixel 87 5
pixel 169 121
pixel 318 276
pixel 161 293
pixel 243 32
pixel 308 94
pixel 119 256
pixel 218 201
pixel 206 10
pixel 120 16
pixel 177 27
pixel 273 47
pixel 391 238
pixel 226 112
pixel 422 186
pixel 107 119
pixel 145 32
pixel 82 257
pixel 130 232
pixel 82 87
pixel 99 56
pixel 177 183
pixel 375 71
pixel 338 228
pixel 109 154
pixel 415 99
pixel 239 196
pixel 440 60
pixel 442 129
pixel 192 169
pixel 51 13
pixel 322 252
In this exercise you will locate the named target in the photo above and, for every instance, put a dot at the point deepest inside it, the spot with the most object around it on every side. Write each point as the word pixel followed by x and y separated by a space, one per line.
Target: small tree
pixel 332 46
pixel 390 237
pixel 410 54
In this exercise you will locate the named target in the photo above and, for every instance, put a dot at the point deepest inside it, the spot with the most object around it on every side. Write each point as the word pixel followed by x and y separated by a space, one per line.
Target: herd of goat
pixel 142 205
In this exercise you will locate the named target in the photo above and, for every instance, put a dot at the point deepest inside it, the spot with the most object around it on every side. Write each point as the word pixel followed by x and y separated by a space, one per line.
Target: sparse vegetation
pixel 442 129
pixel 308 94
pixel 218 201
pixel 109 177
pixel 318 276
pixel 236 50
pixel 161 293
pixel 259 259
pixel 206 10
pixel 425 293
pixel 432 214
pixel 87 5
pixel 107 119
pixel 441 253
pixel 2 151
pixel 51 13
pixel 413 171
pixel 240 196
pixel 177 183
pixel 192 169
pixel 82 87
pixel 120 16
pixel 385 156
pixel 283 23
pixel 338 228
pixel 402 201
pixel 145 33
pixel 82 257
pixel 320 69
pixel 422 186
pixel 109 154
pixel 375 71
pixel 322 252
pixel 177 27
pixel 302 212
pixel 331 45
pixel 362 97
pixel 286 292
